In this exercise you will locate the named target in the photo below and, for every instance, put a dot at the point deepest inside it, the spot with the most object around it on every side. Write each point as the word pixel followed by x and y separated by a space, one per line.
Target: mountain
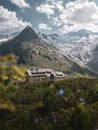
pixel 12 35
pixel 80 33
pixel 32 51
pixel 72 37
pixel 26 35
pixel 78 46
pixel 4 38
pixel 93 64
pixel 48 38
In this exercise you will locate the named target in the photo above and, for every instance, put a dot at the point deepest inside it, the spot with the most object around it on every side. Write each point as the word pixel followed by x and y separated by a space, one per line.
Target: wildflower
pixel 61 92
pixel 36 120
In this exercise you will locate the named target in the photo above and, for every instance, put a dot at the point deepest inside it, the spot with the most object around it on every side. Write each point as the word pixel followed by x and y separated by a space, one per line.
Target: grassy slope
pixel 37 53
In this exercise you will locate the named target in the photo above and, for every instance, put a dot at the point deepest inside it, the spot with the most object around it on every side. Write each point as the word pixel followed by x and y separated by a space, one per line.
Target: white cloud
pixel 82 14
pixel 46 9
pixel 66 28
pixel 77 27
pixel 59 6
pixel 9 22
pixel 44 26
pixel 72 16
pixel 49 7
pixel 56 21
pixel 20 3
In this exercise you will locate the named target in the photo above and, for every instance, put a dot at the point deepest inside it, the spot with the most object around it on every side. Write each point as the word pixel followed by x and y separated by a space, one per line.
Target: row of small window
pixel 39 76
pixel 39 79
pixel 59 78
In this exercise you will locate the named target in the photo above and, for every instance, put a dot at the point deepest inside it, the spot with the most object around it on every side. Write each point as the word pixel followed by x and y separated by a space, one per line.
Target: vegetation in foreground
pixel 71 104
pixel 66 105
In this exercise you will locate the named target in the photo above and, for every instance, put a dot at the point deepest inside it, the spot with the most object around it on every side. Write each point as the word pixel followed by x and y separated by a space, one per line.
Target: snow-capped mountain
pixel 78 46
pixel 32 50
pixel 81 46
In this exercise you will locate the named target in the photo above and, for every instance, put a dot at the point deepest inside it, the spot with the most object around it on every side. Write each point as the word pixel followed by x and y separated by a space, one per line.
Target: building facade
pixel 37 75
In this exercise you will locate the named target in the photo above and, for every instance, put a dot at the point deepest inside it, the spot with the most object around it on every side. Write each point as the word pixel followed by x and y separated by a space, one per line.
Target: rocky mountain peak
pixel 27 34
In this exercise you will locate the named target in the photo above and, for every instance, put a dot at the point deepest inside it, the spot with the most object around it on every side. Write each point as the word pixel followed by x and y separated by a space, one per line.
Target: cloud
pixel 9 22
pixel 66 28
pixel 46 9
pixel 44 26
pixel 56 21
pixel 20 3
pixel 77 27
pixel 49 7
pixel 80 14
pixel 59 6
pixel 80 11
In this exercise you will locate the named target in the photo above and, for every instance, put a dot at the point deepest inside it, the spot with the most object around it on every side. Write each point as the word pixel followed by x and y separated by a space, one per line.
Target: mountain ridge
pixel 33 51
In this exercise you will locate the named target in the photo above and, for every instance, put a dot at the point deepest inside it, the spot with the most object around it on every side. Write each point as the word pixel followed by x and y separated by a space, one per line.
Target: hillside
pixel 80 46
pixel 32 51
pixel 93 64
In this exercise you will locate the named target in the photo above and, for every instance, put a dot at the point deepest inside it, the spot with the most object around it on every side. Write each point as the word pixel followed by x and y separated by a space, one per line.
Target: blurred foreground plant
pixel 80 119
pixel 10 76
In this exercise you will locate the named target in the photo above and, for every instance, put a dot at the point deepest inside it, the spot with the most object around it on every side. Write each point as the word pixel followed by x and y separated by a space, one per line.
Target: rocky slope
pixel 93 64
pixel 32 51
pixel 81 46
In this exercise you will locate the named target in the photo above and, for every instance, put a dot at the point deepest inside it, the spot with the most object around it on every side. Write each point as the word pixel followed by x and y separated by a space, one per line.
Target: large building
pixel 37 75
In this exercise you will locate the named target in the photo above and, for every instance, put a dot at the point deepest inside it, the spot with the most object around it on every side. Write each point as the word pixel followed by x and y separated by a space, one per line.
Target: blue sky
pixel 48 16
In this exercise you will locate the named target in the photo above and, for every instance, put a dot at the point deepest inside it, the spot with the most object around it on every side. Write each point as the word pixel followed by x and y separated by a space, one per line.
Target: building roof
pixel 59 73
pixel 47 72
pixel 39 71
